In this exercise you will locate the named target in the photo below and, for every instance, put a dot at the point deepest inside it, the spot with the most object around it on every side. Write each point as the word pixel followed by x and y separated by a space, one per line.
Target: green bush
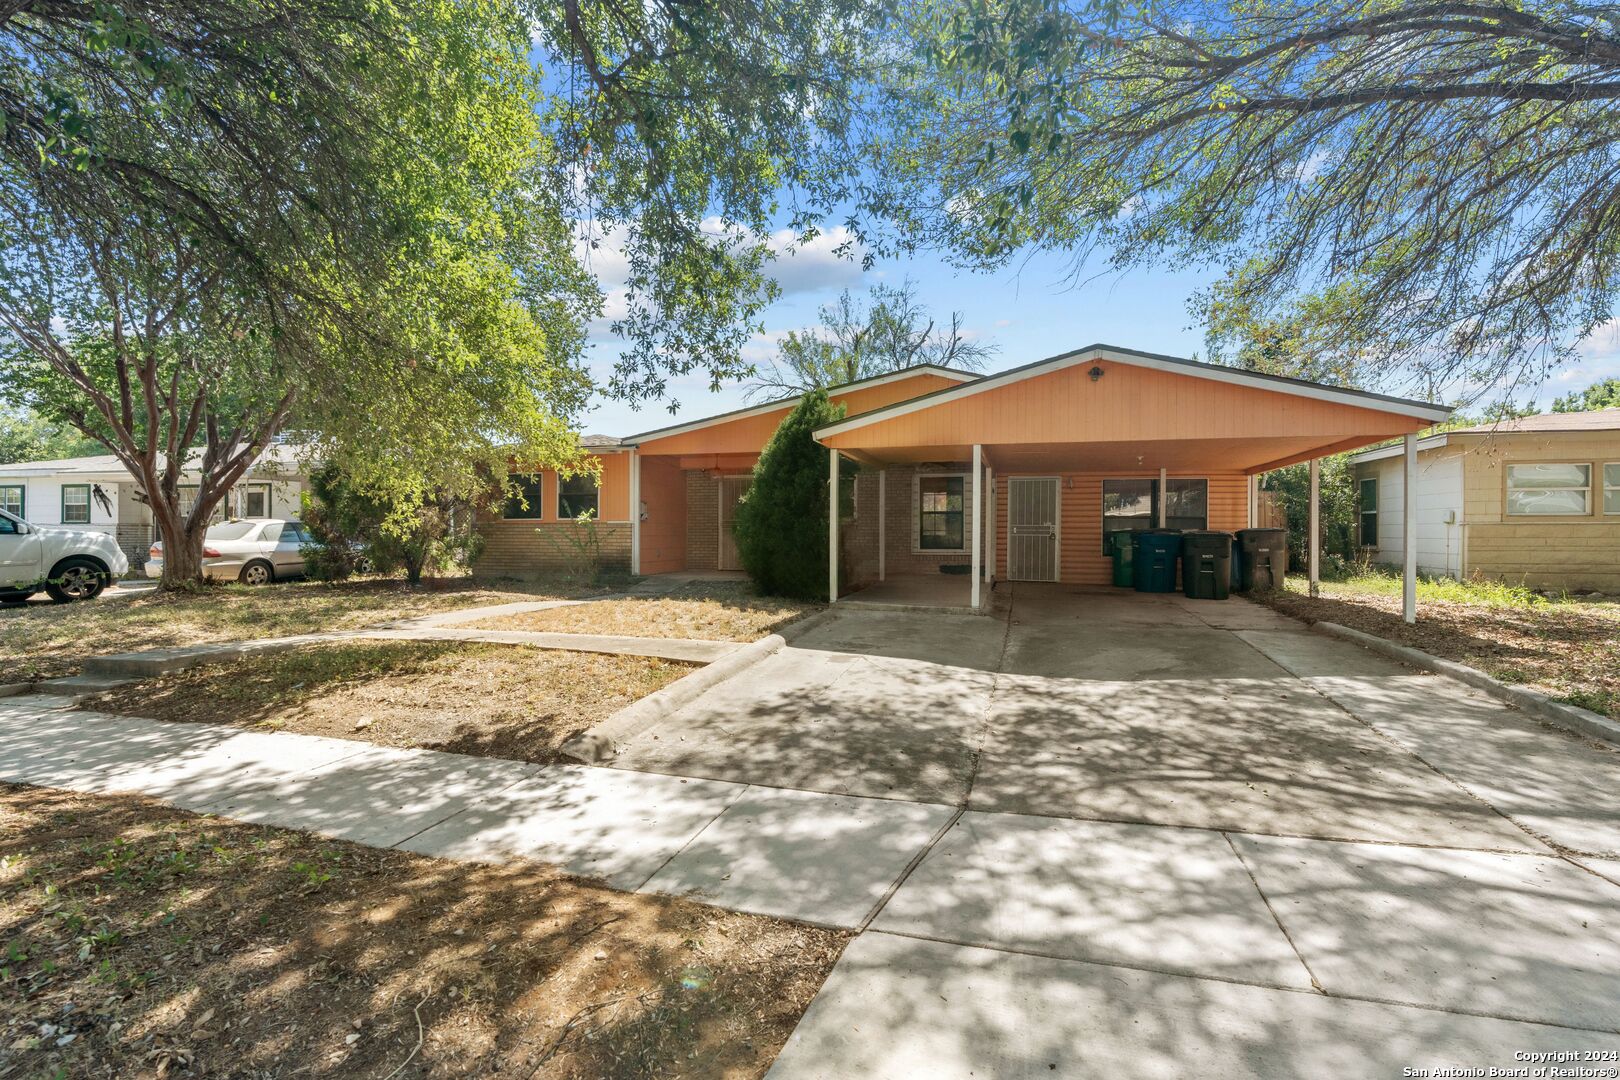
pixel 434 532
pixel 781 524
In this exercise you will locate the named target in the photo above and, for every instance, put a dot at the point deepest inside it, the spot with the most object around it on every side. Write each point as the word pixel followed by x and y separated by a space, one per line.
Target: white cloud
pixel 830 260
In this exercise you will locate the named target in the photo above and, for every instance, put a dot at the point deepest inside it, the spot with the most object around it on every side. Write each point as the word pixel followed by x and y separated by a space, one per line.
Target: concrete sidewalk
pixel 822 859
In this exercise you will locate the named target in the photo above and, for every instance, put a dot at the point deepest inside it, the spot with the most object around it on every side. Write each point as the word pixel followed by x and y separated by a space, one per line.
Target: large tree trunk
pixel 182 548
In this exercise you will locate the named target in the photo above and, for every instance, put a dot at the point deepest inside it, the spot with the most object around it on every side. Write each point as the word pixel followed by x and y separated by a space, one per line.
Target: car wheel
pixel 257 572
pixel 76 579
pixel 19 597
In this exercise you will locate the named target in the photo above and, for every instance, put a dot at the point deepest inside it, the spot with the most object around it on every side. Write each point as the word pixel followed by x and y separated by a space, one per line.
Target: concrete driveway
pixel 1184 838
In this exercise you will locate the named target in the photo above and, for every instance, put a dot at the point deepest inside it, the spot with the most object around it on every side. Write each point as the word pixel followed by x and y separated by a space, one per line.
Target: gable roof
pixel 778 403
pixel 1175 364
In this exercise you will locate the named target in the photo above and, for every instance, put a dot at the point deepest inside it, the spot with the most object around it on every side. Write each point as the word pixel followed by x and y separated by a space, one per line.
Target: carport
pixel 1022 471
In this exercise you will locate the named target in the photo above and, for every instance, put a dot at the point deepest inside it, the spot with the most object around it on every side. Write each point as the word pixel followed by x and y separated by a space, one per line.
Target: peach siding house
pixel 1011 476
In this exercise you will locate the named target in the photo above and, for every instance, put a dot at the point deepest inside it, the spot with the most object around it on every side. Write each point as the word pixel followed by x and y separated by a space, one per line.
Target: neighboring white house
pixel 1534 500
pixel 97 493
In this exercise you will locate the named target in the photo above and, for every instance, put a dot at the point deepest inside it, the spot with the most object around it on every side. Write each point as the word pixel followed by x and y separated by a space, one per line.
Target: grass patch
pixel 1565 646
pixel 708 612
pixel 138 940
pixel 42 641
pixel 504 701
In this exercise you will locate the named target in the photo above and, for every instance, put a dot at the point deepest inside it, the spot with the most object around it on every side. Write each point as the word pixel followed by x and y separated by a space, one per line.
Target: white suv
pixel 70 564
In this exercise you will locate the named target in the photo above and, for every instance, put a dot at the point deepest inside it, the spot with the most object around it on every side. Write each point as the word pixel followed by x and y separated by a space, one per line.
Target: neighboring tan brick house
pixel 1533 501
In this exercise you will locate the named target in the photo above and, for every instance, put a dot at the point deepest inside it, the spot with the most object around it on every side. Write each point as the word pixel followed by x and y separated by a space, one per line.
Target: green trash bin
pixel 1154 560
pixel 1260 559
pixel 1206 564
pixel 1119 549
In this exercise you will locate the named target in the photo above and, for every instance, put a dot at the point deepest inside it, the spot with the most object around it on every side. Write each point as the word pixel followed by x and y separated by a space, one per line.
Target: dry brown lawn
pixel 41 641
pixel 145 942
pixel 506 701
pixel 1566 648
pixel 711 613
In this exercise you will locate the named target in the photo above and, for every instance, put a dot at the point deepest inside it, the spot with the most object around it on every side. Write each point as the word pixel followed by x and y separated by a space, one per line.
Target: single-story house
pixel 1533 500
pixel 97 493
pixel 1012 476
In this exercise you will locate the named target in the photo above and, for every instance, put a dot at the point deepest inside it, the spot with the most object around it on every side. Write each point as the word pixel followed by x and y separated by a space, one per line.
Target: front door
pixel 732 489
pixel 1032 528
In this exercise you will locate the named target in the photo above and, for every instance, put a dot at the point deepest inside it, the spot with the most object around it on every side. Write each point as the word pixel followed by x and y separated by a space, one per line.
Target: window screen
pixel 940 513
pixel 576 495
pixel 525 501
pixel 75 504
pixel 1548 489
pixel 1369 511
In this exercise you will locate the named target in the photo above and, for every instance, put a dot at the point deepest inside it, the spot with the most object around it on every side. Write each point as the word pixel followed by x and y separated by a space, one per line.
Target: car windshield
pixel 231 530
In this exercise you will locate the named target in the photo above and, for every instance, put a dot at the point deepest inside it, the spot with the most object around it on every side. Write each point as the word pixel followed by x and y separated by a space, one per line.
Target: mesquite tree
pixel 1419 194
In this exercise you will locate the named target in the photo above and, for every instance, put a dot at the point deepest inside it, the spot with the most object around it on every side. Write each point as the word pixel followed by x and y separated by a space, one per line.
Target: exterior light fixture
pixel 1095 373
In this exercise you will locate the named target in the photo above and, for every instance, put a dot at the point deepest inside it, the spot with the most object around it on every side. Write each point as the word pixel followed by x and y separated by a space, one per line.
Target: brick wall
pixel 702 520
pixel 527 548
pixel 901 524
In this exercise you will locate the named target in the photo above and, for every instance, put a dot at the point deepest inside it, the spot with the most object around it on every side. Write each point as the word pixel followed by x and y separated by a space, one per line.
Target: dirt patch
pixel 1567 649
pixel 45 641
pixel 711 614
pixel 505 701
pixel 143 941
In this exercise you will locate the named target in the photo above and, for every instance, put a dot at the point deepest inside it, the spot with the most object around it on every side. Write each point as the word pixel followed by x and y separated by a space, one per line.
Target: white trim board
pixel 1380 453
pixel 1173 364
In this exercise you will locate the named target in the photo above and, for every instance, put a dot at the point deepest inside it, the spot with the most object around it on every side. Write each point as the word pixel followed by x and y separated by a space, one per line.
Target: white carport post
pixel 883 523
pixel 1164 496
pixel 978 521
pixel 635 512
pixel 1409 526
pixel 832 525
pixel 1254 501
pixel 1314 535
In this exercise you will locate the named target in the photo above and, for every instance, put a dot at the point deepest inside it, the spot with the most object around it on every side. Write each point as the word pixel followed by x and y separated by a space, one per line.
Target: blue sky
pixel 1031 310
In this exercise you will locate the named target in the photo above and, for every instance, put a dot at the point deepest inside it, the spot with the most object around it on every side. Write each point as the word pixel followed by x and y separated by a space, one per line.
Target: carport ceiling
pixel 1179 455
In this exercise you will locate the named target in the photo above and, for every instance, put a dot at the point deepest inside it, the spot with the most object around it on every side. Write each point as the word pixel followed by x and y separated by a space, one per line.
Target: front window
pixel 75 504
pixel 1549 490
pixel 940 513
pixel 523 500
pixel 13 499
pixel 1611 488
pixel 576 495
pixel 256 501
pixel 1369 512
pixel 1134 505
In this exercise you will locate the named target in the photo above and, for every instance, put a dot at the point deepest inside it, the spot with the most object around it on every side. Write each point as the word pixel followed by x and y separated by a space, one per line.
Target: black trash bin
pixel 1206 564
pixel 1153 562
pixel 1260 559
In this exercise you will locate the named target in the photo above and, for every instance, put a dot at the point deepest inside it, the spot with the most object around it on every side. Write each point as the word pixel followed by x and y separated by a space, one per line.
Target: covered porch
pixel 1022 473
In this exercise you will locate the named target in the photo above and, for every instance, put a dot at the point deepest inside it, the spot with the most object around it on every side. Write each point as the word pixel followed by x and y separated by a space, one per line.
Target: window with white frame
pixel 14 499
pixel 942 512
pixel 1611 488
pixel 1548 489
pixel 75 504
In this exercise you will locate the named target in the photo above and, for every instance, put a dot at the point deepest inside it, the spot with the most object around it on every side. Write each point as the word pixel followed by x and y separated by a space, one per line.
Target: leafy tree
pixel 1418 187
pixel 686 131
pixel 27 436
pixel 218 221
pixel 433 532
pixel 890 331
pixel 1600 395
pixel 1339 507
pixel 781 524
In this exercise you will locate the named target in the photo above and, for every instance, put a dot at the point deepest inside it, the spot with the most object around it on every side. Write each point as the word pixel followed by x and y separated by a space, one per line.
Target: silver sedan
pixel 254 551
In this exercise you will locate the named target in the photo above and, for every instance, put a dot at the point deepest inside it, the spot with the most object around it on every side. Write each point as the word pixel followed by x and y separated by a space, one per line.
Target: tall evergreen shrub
pixel 781 526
